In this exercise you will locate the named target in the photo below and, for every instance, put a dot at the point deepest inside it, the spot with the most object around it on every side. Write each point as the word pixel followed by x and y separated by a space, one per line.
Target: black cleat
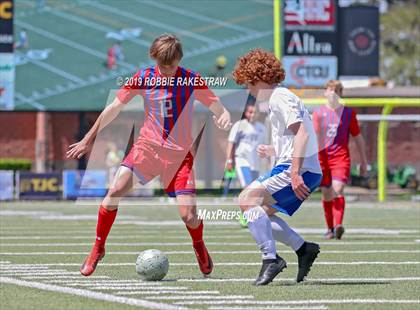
pixel 306 260
pixel 269 270
pixel 338 231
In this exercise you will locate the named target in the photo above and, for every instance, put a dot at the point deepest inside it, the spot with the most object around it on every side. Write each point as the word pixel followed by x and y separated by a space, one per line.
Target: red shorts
pixel 175 168
pixel 338 170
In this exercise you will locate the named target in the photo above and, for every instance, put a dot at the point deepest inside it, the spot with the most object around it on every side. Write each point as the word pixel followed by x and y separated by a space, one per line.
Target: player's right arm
pixel 232 142
pixel 78 149
pixel 124 95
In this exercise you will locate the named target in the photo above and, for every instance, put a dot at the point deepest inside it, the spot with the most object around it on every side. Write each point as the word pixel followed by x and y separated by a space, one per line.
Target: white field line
pixel 320 307
pixel 61 277
pixel 31 102
pixel 234 229
pixel 197 16
pixel 136 244
pixel 95 26
pixel 303 302
pixel 87 281
pixel 211 236
pixel 128 286
pixel 139 237
pixel 4 262
pixel 133 288
pixel 132 264
pixel 69 43
pixel 90 294
pixel 55 70
pixel 213 252
pixel 38 273
pixel 200 297
pixel 312 280
pixel 151 22
pixel 158 292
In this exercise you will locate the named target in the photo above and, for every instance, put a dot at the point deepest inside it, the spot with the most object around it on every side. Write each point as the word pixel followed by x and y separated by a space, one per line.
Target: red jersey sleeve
pixel 204 94
pixel 130 89
pixel 315 121
pixel 354 125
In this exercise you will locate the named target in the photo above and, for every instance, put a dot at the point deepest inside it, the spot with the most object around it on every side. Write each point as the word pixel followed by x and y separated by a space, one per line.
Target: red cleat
pixel 92 260
pixel 203 257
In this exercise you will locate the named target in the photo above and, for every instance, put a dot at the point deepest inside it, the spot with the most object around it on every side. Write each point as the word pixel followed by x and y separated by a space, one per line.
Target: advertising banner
pixel 6 185
pixel 81 183
pixel 7 65
pixel 310 43
pixel 310 15
pixel 309 71
pixel 39 185
pixel 359 41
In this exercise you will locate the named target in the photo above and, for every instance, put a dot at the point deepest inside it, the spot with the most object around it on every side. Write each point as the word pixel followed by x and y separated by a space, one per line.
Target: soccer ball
pixel 152 265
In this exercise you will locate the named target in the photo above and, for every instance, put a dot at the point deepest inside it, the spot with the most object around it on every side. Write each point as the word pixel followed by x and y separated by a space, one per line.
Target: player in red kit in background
pixel 334 123
pixel 164 147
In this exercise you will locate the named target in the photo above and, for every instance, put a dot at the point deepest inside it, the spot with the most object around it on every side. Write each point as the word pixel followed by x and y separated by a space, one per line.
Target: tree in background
pixel 400 39
pixel 400 42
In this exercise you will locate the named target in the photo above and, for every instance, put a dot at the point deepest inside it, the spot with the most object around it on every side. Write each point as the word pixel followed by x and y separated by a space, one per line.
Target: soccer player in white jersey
pixel 244 138
pixel 295 175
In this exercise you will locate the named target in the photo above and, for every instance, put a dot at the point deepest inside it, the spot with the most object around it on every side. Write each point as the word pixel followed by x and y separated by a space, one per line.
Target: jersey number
pixel 166 108
pixel 332 130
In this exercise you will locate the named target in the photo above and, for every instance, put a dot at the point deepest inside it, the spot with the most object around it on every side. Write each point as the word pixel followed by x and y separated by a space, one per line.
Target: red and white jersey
pixel 333 128
pixel 168 108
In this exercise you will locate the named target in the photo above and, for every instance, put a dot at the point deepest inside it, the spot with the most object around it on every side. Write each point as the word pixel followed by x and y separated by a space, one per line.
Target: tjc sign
pixel 309 71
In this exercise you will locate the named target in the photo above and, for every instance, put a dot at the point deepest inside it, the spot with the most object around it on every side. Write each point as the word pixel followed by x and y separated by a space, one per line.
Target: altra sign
pixel 310 43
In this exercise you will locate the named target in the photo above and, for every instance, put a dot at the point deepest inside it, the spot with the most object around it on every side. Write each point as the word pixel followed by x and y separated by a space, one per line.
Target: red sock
pixel 338 210
pixel 105 220
pixel 196 233
pixel 328 212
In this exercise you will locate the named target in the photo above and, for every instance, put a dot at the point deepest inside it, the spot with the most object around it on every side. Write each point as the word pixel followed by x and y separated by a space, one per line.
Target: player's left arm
pixel 300 140
pixel 221 115
pixel 360 143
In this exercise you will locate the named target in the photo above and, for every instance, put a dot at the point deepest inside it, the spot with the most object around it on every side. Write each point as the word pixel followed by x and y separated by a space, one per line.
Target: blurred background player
pixel 118 51
pixel 111 61
pixel 334 123
pixel 23 40
pixel 297 172
pixel 244 138
pixel 164 147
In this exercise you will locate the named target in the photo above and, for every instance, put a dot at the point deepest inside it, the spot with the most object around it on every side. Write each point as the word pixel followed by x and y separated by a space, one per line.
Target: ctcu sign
pixel 6 9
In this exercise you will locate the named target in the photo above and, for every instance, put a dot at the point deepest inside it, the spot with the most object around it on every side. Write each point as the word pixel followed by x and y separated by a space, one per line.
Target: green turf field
pixel 375 266
pixel 73 34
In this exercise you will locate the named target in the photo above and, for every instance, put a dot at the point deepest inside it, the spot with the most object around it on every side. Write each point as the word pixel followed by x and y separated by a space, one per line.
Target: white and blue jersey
pixel 287 109
pixel 246 137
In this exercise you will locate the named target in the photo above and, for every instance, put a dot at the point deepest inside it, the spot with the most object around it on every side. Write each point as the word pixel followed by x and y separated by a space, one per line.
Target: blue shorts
pixel 278 183
pixel 246 175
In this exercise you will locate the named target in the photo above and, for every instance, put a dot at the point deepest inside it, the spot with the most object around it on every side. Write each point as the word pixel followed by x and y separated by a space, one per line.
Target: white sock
pixel 283 233
pixel 260 227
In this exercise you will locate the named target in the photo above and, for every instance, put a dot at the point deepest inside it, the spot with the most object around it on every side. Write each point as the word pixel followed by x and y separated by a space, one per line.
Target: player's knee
pixel 188 218
pixel 116 192
pixel 245 200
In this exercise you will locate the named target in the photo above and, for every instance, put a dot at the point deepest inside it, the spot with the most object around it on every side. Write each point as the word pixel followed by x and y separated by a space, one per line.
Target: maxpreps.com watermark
pixel 162 81
pixel 223 215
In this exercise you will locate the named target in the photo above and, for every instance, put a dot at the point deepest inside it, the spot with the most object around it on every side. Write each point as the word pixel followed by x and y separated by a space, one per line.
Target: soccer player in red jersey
pixel 164 147
pixel 334 123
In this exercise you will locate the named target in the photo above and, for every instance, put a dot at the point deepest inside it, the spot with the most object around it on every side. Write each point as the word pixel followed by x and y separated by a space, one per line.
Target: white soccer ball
pixel 152 265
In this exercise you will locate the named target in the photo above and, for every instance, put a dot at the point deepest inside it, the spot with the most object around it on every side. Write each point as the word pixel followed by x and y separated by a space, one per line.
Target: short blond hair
pixel 336 85
pixel 166 48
